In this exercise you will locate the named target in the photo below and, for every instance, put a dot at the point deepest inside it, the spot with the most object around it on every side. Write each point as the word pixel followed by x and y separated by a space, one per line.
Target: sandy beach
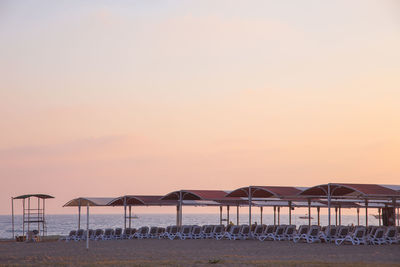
pixel 193 253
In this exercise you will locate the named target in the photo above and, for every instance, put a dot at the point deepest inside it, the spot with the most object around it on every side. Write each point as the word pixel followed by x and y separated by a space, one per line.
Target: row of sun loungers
pixel 335 234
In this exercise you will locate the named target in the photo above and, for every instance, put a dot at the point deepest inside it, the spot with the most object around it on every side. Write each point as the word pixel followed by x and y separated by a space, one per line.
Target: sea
pixel 63 224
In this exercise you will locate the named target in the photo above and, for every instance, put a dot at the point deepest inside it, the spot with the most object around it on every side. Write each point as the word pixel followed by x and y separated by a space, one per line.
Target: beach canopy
pixel 140 200
pixel 353 190
pixel 196 195
pixel 266 191
pixel 91 201
pixel 42 196
pixel 205 197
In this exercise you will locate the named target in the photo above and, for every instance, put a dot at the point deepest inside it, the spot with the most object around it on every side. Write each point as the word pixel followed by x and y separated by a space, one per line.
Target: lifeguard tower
pixel 33 215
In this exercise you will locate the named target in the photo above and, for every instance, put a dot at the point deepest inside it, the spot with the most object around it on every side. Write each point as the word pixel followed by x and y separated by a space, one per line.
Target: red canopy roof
pixel 265 191
pixel 138 200
pixel 343 189
pixel 215 195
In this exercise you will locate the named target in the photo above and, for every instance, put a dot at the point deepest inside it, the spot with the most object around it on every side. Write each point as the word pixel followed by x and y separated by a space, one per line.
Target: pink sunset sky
pixel 106 98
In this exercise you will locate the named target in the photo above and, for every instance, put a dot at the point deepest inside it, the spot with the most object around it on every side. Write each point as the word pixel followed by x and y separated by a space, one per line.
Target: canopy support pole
pixel 29 212
pixel 340 215
pixel 79 215
pixel 44 208
pixel 379 216
pixel 319 217
pixel 220 214
pixel 87 226
pixel 124 213
pixel 12 216
pixel 358 216
pixel 130 216
pixel 274 215
pixel 336 221
pixel 290 212
pixel 279 215
pixel 394 211
pixel 366 213
pixel 329 205
pixel 180 207
pixel 261 215
pixel 309 212
pixel 398 216
pixel 23 217
pixel 177 215
pixel 250 200
pixel 38 215
pixel 227 215
pixel 237 215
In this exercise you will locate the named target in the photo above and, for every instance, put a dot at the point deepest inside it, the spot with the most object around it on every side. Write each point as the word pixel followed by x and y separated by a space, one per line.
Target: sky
pixel 106 98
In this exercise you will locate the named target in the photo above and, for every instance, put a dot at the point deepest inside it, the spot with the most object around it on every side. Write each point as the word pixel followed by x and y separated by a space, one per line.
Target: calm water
pixel 62 224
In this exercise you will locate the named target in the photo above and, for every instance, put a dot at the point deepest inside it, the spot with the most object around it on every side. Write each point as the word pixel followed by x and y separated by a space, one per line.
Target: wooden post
pixel 180 207
pixel 12 216
pixel 23 217
pixel 87 226
pixel 227 215
pixel 279 215
pixel 29 212
pixel 44 209
pixel 38 216
pixel 309 212
pixel 274 215
pixel 124 213
pixel 237 215
pixel 220 214
pixel 177 215
pixel 329 205
pixel 79 214
pixel 340 215
pixel 319 218
pixel 366 213
pixel 358 216
pixel 336 221
pixel 261 215
pixel 379 216
pixel 250 200
pixel 394 211
pixel 290 212
pixel 130 216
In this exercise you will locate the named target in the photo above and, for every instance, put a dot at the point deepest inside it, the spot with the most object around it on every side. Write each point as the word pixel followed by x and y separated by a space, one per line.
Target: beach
pixel 150 252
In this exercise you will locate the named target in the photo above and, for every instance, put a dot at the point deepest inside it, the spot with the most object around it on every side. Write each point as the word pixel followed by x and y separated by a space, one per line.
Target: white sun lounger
pixel 219 232
pixel 267 232
pixel 329 234
pixel 80 235
pixel 186 232
pixel 378 237
pixel 173 231
pixel 196 232
pixel 234 233
pixel 301 233
pixel 258 231
pixel 356 238
pixel 153 232
pixel 391 235
pixel 117 233
pixel 108 234
pixel 142 232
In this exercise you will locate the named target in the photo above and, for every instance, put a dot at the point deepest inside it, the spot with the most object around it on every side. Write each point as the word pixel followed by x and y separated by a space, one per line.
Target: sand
pixel 194 253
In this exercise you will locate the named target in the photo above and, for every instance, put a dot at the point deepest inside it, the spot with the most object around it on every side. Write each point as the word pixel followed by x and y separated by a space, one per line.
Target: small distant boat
pixel 134 216
pixel 305 217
